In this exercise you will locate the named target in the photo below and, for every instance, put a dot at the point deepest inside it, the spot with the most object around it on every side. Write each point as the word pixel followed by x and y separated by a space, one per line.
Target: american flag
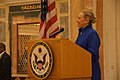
pixel 48 23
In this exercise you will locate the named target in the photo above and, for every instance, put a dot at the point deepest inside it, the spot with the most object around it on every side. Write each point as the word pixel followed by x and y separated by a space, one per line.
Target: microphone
pixel 54 34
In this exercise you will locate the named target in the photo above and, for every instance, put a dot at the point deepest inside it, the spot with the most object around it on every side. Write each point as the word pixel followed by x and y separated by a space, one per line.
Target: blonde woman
pixel 89 39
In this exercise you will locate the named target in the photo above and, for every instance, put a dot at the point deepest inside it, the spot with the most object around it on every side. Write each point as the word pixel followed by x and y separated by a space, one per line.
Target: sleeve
pixel 6 67
pixel 93 45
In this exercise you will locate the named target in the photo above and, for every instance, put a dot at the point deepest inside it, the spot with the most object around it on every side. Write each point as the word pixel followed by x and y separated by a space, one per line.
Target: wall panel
pixel 110 39
pixel 118 38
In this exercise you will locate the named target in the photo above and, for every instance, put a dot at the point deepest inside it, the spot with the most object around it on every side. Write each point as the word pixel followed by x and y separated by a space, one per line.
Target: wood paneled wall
pixel 118 37
pixel 111 37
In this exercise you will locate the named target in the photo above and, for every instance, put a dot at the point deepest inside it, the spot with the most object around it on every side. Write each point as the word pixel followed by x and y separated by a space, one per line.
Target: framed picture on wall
pixel 2 31
pixel 2 13
pixel 64 7
pixel 64 24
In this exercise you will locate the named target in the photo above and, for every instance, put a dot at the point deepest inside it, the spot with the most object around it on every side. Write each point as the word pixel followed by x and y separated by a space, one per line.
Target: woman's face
pixel 82 22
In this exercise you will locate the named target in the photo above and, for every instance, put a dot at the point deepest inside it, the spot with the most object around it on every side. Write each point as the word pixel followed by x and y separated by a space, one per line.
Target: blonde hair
pixel 88 13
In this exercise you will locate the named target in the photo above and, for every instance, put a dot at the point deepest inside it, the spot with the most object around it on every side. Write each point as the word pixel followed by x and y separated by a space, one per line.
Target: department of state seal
pixel 41 60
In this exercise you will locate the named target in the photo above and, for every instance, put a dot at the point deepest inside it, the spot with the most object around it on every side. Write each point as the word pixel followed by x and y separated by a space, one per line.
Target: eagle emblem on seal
pixel 40 59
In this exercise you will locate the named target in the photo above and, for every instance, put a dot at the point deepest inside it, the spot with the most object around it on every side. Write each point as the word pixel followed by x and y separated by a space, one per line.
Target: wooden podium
pixel 70 62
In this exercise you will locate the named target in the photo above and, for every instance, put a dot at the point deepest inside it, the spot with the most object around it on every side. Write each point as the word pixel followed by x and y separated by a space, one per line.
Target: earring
pixel 85 22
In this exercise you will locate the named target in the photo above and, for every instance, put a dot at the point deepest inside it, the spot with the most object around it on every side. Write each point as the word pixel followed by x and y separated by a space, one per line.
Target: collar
pixel 81 30
pixel 1 54
pixel 87 27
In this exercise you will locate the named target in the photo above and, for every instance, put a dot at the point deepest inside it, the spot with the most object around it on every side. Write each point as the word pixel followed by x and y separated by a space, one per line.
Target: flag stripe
pixel 50 2
pixel 50 23
pixel 51 14
pixel 52 20
pixel 51 7
pixel 41 25
pixel 54 30
pixel 42 31
pixel 51 30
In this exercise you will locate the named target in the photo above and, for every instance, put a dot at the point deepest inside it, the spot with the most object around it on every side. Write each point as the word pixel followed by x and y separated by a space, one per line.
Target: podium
pixel 70 61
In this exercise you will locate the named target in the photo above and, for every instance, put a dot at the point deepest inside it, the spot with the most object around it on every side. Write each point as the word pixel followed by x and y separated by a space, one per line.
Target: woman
pixel 89 40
